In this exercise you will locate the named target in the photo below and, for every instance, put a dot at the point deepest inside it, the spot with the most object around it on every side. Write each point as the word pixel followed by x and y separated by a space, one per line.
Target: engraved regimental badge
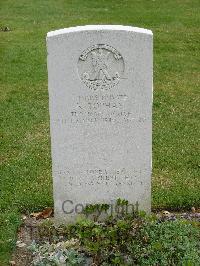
pixel 100 67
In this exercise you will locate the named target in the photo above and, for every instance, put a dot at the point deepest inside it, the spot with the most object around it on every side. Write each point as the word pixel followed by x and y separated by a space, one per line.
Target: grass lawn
pixel 25 178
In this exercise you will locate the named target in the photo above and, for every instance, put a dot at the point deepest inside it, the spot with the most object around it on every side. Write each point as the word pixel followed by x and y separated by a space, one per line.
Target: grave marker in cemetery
pixel 100 94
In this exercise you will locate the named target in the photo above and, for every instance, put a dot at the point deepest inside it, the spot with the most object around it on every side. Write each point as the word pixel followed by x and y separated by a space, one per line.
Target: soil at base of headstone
pixel 29 232
pixel 26 234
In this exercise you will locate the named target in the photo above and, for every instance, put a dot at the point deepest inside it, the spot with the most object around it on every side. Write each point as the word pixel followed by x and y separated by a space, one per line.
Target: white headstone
pixel 100 94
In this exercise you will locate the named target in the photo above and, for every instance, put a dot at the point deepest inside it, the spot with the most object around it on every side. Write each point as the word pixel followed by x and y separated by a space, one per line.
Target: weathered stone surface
pixel 100 93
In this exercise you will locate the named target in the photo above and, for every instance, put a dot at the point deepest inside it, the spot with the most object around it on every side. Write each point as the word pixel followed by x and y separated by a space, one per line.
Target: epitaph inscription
pixel 101 67
pixel 93 177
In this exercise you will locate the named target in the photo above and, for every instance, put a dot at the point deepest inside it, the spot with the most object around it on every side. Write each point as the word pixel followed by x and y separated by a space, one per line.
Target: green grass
pixel 25 179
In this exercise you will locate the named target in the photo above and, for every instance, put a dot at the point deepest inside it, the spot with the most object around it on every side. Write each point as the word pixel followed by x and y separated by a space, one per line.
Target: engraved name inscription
pixel 101 107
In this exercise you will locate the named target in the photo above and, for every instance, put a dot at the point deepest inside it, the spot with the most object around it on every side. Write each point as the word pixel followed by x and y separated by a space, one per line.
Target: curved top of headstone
pixel 98 28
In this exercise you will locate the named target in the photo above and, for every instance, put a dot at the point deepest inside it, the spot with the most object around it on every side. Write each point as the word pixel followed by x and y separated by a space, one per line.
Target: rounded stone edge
pixel 98 28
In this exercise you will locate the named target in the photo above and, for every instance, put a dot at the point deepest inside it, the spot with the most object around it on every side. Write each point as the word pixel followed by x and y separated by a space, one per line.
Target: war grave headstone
pixel 100 101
